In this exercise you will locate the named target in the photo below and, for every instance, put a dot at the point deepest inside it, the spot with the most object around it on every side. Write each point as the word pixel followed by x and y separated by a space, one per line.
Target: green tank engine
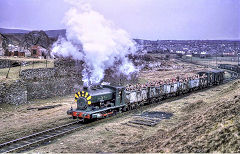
pixel 98 102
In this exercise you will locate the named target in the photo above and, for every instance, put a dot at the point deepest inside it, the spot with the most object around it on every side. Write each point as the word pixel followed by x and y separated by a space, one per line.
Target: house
pixel 204 54
pixel 180 52
pixel 27 52
pixel 15 53
pixel 230 54
pixel 38 52
pixel 14 50
pixel 1 45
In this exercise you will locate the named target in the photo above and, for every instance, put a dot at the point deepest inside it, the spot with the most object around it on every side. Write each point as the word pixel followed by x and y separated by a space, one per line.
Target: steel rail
pixel 30 140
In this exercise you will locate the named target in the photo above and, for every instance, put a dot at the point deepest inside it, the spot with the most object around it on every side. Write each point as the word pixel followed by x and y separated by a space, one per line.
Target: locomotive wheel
pixel 115 112
pixel 154 100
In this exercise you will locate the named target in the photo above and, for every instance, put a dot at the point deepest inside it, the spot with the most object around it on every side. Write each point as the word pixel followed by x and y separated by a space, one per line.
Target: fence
pixel 212 61
pixel 14 68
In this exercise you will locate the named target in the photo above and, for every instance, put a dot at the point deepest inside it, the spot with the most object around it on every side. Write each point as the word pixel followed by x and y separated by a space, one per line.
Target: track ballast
pixel 37 138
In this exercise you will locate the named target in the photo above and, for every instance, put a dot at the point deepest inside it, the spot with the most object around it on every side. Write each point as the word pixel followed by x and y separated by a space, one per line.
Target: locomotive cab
pixel 98 102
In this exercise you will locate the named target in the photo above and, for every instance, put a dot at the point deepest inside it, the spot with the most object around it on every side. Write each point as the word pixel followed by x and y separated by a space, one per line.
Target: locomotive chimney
pixel 85 88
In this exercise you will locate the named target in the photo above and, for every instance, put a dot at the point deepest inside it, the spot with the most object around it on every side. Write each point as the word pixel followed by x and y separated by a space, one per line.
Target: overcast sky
pixel 147 19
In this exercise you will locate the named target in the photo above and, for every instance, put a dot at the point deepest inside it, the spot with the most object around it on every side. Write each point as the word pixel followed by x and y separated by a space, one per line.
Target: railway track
pixel 29 141
pixel 38 138
pixel 234 75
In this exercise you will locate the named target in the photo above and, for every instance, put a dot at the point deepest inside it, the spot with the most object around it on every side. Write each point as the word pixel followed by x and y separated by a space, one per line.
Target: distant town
pixel 38 44
pixel 202 48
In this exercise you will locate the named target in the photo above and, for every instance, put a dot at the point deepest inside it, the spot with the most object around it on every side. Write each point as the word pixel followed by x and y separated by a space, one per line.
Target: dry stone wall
pixel 42 83
pixel 2 92
pixel 35 74
pixel 51 82
pixel 14 93
pixel 4 63
pixel 53 87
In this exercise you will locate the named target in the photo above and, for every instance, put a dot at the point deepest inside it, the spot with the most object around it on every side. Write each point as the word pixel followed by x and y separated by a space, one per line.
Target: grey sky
pixel 148 19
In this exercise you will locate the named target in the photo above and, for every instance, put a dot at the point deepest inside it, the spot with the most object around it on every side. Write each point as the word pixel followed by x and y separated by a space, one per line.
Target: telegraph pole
pixel 238 58
pixel 216 58
pixel 237 49
pixel 191 58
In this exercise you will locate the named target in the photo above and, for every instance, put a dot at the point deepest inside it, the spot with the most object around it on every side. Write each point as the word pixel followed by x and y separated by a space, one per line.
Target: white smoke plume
pixel 63 48
pixel 102 42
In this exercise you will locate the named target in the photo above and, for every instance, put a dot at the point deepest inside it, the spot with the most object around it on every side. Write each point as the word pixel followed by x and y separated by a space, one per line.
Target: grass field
pixel 213 61
pixel 14 71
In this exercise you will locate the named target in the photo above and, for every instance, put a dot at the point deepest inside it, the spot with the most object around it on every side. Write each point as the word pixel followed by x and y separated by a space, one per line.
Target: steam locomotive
pixel 101 101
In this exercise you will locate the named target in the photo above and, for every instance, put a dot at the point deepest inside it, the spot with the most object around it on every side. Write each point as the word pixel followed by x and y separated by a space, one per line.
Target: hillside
pixel 204 121
pixel 208 126
pixel 28 38
pixel 8 31
pixel 19 32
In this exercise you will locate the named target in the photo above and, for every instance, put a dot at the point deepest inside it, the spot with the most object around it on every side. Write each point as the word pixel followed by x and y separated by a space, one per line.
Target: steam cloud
pixel 103 44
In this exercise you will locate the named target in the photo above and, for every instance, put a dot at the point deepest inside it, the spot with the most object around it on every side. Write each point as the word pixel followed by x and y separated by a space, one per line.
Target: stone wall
pixel 52 87
pixel 13 93
pixel 2 92
pixel 39 73
pixel 42 83
pixel 4 63
pixel 65 78
pixel 47 73
pixel 50 82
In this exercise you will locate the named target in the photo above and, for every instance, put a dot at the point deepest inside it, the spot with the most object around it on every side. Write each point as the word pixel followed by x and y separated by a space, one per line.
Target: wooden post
pixel 238 58
pixel 216 58
pixel 20 68
pixel 9 66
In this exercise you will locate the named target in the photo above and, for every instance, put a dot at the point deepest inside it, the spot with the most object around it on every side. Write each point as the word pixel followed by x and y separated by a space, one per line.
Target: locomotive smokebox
pixel 85 88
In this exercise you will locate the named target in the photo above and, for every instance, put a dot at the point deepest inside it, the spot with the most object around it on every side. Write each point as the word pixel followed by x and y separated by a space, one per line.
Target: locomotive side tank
pixel 98 102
